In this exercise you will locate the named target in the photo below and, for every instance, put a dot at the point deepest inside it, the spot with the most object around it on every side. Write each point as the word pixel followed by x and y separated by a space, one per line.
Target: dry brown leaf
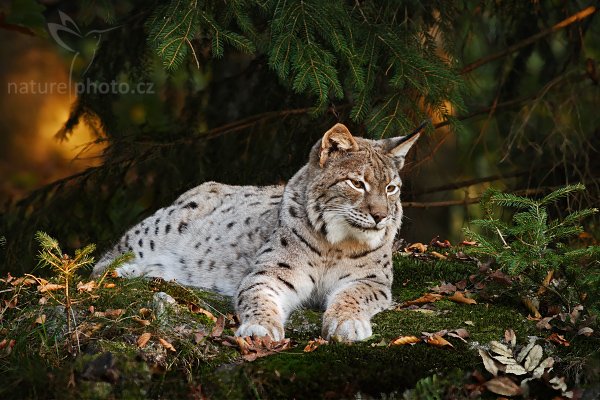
pixel 49 287
pixel 468 243
pixel 489 363
pixel 445 288
pixel 470 323
pixel 586 331
pixel 4 342
pixel 501 349
pixel 198 337
pixel 86 287
pixel 427 298
pixel 143 322
pixel 315 344
pixel 510 337
pixel 25 281
pixel 438 341
pixel 459 297
pixel 217 330
pixel 539 370
pixel 143 339
pixel 515 369
pixel 533 358
pixel 459 333
pixel 196 309
pixel 525 350
pixel 145 312
pixel 546 282
pixel 438 255
pixel 556 338
pixel 503 386
pixel 531 306
pixel 114 313
pixel 43 300
pixel 404 340
pixel 416 247
pixel 109 285
pixel 41 319
pixel 12 303
pixel 166 345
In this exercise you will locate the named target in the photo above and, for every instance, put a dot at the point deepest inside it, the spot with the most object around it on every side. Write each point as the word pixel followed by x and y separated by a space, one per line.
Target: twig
pixel 563 24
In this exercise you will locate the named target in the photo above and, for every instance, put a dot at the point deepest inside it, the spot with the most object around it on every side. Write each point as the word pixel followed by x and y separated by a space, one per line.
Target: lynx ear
pixel 337 139
pixel 398 147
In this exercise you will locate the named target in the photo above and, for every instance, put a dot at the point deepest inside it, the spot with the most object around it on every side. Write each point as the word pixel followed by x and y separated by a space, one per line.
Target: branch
pixel 468 182
pixel 581 15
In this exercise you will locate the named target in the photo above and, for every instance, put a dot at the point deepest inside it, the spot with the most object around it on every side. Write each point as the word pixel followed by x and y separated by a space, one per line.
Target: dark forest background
pixel 237 91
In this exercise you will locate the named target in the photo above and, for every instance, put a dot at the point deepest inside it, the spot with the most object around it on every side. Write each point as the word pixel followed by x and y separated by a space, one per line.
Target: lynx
pixel 325 239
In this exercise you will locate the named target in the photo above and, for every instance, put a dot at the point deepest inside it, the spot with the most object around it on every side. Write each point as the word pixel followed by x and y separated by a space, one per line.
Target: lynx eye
pixel 392 189
pixel 356 184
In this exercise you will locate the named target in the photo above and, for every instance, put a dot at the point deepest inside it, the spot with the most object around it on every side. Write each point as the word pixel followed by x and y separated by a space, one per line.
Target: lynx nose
pixel 378 216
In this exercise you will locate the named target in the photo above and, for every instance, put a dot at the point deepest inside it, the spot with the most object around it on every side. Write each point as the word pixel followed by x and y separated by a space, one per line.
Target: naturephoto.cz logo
pixel 63 34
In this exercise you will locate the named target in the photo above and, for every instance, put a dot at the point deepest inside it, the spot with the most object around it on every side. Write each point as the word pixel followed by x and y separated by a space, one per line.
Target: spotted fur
pixel 323 239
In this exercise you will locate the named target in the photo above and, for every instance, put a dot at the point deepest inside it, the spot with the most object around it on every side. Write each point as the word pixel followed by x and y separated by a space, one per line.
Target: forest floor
pixel 457 329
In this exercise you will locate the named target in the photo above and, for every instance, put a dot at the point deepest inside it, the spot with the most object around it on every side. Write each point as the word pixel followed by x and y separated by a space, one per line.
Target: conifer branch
pixel 581 15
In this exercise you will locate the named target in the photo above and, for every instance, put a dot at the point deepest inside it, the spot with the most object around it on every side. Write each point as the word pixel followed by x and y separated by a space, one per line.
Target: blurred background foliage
pixel 237 91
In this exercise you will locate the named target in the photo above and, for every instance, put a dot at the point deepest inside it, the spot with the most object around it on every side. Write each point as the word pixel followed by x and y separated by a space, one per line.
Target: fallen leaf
pixel 25 281
pixel 587 331
pixel 459 297
pixel 438 255
pixel 462 284
pixel 166 344
pixel 504 360
pixel 114 313
pixel 531 306
pixel 470 323
pixel 109 285
pixel 510 337
pixel 533 358
pixel 544 323
pixel 501 349
pixel 143 322
pixel 525 350
pixel 443 244
pixel 416 247
pixel 198 337
pixel 219 326
pixel 427 298
pixel 539 370
pixel 49 287
pixel 515 369
pixel 503 386
pixel 489 363
pixel 500 277
pixel 438 341
pixel 43 300
pixel 315 344
pixel 86 287
pixel 459 333
pixel 41 319
pixel 12 303
pixel 143 339
pixel 4 342
pixel 445 288
pixel 145 312
pixel 468 243
pixel 545 283
pixel 558 383
pixel 556 338
pixel 254 347
pixel 404 340
pixel 199 310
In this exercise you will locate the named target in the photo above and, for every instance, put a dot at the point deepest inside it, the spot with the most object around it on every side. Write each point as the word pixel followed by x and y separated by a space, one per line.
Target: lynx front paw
pixel 349 329
pixel 264 328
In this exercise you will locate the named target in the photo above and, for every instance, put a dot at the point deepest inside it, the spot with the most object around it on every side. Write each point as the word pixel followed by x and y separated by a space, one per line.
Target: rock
pixel 161 302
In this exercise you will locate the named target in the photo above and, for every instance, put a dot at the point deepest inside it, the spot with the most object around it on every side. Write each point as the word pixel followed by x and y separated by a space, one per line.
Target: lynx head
pixel 354 186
